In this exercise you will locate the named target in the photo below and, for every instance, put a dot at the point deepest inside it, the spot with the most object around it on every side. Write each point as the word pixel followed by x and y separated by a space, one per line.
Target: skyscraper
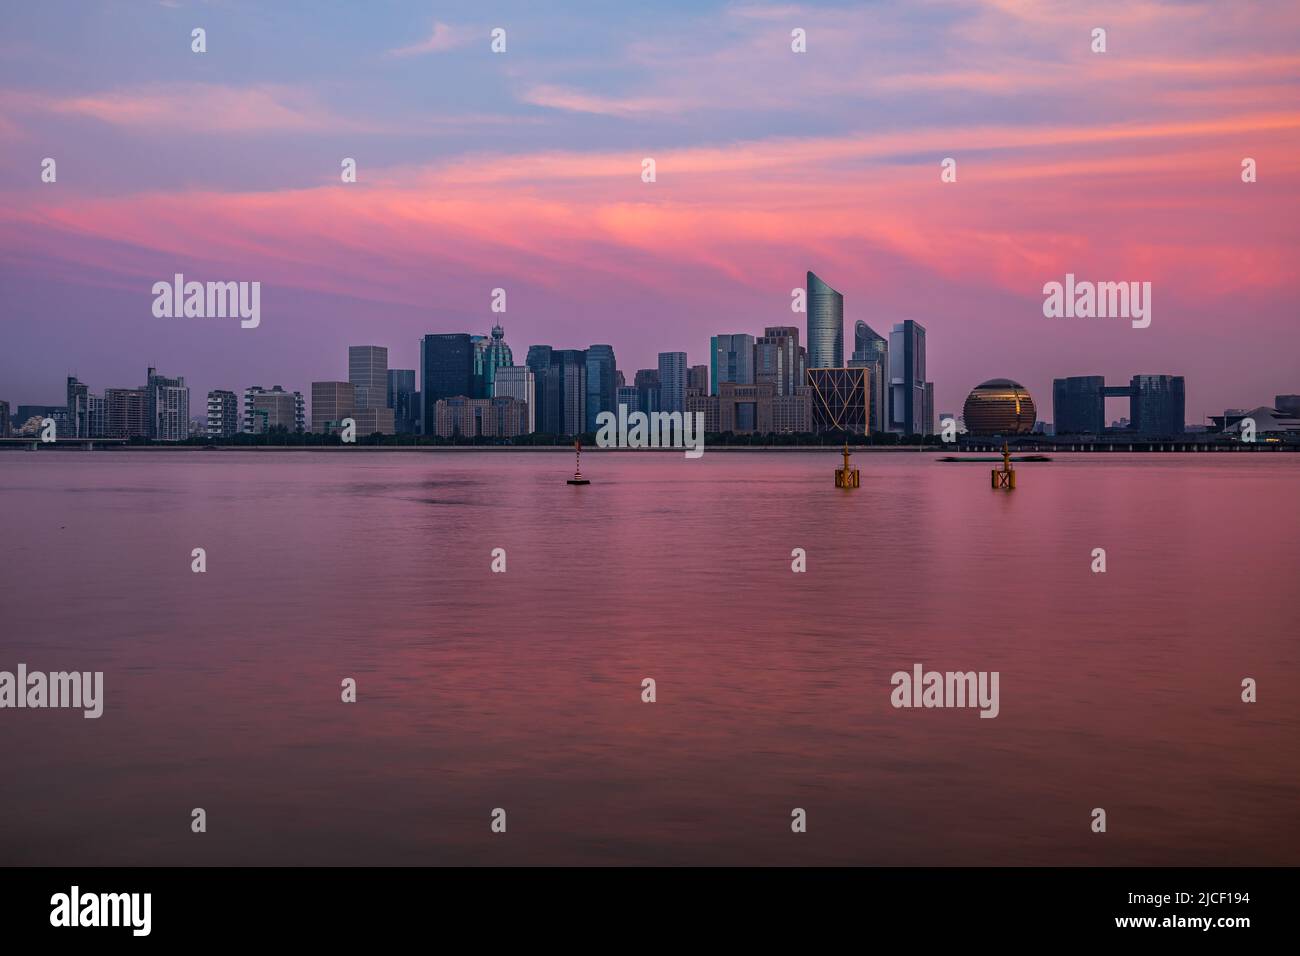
pixel 697 377
pixel 78 408
pixel 871 351
pixel 539 360
pixel 446 370
pixel 646 383
pixel 601 382
pixel 672 381
pixel 1079 405
pixel 911 408
pixel 564 387
pixel 496 355
pixel 403 400
pixel 125 413
pixel 518 382
pixel 825 325
pixel 1158 405
pixel 167 405
pixel 779 359
pixel 731 359
pixel 368 373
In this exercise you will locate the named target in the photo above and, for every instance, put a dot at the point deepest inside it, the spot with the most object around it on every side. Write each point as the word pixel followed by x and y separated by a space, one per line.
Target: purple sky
pixel 522 170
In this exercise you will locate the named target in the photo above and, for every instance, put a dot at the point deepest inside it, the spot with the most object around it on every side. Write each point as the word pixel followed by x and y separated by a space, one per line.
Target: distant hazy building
pixel 562 390
pixel 647 386
pixel 78 408
pixel 871 351
pixel 272 409
pixel 700 402
pixel 223 414
pixel 1079 405
pixel 6 426
pixel 839 399
pixel 501 417
pixel 331 402
pixel 539 360
pixel 518 382
pixel 779 359
pixel 629 397
pixel 125 413
pixel 167 405
pixel 446 371
pixel 825 324
pixel 602 384
pixel 697 377
pixel 1158 405
pixel 911 401
pixel 404 400
pixel 731 359
pixel 672 381
pixel 96 416
pixel 1288 405
pixel 496 355
pixel 999 407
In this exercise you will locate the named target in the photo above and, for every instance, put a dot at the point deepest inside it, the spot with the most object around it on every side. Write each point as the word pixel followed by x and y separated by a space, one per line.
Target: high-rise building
pixel 601 382
pixel 273 409
pixel 630 397
pixel 731 359
pixel 911 401
pixel 368 373
pixel 564 390
pixel 779 359
pixel 403 399
pixel 1158 405
pixel 500 417
pixel 672 381
pixel 646 383
pixel 223 414
pixel 825 325
pixel 697 377
pixel 496 355
pixel 539 360
pixel 446 371
pixel 6 426
pixel 839 399
pixel 1079 405
pixel 97 416
pixel 78 408
pixel 126 413
pixel 518 382
pixel 871 351
pixel 331 402
pixel 168 407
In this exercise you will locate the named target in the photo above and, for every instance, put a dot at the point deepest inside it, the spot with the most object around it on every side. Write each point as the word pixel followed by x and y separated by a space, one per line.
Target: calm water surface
pixel 522 690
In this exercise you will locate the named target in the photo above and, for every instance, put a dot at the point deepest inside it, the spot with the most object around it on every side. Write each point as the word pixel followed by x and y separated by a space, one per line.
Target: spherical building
pixel 999 407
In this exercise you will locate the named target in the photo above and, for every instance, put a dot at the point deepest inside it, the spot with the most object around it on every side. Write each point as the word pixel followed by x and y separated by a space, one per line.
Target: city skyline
pixel 518 171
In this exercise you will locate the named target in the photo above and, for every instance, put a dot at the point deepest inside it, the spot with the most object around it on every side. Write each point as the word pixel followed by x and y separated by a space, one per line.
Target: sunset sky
pixel 522 170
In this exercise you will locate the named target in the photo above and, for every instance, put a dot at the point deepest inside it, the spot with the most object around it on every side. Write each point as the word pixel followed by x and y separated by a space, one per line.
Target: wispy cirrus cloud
pixel 442 38
pixel 193 107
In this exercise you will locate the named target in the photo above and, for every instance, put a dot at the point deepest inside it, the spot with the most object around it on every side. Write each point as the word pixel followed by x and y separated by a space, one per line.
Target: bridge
pixel 33 443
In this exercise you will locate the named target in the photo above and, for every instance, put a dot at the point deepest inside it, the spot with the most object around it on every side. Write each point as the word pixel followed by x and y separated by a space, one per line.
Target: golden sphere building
pixel 999 407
